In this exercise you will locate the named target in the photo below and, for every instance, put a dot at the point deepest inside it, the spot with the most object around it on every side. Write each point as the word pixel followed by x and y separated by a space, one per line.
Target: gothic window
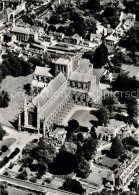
pixel 30 118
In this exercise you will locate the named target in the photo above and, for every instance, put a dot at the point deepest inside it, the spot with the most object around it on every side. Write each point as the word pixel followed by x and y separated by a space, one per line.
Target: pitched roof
pixel 63 61
pixel 85 66
pixel 81 77
pixel 105 130
pixel 20 30
pixel 49 91
pixel 42 71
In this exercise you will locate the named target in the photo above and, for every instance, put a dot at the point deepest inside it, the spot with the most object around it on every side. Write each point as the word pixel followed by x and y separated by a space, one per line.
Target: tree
pixel 2 132
pixel 54 19
pixel 61 29
pixel 112 16
pixel 33 180
pixel 103 116
pixel 52 28
pixel 45 152
pixel 132 109
pixel 117 64
pixel 83 168
pixel 27 161
pixel 80 137
pixel 73 185
pixel 4 99
pixel 93 5
pixel 69 147
pixel 117 148
pixel 129 143
pixel 4 148
pixel 100 56
pixel 22 176
pixel 126 84
pixel 35 61
pixel 3 191
pixel 14 66
pixel 93 132
pixel 131 39
pixel 73 125
pixel 109 101
pixel 63 164
pixel 89 148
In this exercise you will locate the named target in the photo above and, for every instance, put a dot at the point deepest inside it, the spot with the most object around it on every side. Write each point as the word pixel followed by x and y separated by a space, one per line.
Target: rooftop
pixel 49 91
pixel 22 30
pixel 63 61
pixel 104 130
pixel 85 66
pixel 42 71
pixel 81 77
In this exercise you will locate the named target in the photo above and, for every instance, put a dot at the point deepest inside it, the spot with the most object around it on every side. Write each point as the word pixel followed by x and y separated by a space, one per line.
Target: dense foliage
pixel 73 185
pixel 4 99
pixel 14 66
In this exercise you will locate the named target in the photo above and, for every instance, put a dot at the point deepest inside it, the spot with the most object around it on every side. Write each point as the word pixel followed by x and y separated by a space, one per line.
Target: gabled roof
pixel 42 71
pixel 105 130
pixel 63 61
pixel 80 77
pixel 20 30
pixel 49 91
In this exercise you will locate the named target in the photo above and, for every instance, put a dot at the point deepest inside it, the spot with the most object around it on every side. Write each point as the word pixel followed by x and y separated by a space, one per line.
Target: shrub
pixel 33 180
pixel 4 148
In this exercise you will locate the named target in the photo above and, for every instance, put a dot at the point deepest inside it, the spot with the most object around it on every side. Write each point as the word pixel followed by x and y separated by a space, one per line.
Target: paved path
pixel 35 187
pixel 22 138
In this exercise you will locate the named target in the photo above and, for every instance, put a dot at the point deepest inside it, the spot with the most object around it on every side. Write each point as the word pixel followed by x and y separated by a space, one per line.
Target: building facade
pixel 56 97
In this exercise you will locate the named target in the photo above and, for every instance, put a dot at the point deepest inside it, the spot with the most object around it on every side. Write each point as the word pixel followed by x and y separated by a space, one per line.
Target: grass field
pixel 15 191
pixel 84 117
pixel 8 142
pixel 97 175
pixel 15 88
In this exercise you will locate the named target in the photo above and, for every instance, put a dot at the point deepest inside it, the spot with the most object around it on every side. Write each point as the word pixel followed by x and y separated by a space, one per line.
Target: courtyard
pixel 82 114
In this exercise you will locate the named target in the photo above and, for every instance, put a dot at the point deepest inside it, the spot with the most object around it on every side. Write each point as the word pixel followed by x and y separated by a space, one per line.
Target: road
pixel 34 187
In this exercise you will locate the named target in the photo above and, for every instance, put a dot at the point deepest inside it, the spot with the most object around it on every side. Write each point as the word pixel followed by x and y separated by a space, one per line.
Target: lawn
pixel 97 175
pixel 15 88
pixel 15 191
pixel 115 123
pixel 84 117
pixel 8 142
pixel 108 162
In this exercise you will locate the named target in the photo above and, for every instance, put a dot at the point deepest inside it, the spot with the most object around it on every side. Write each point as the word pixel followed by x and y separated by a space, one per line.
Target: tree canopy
pixel 73 185
pixel 4 99
pixel 45 152
pixel 117 148
pixel 103 116
pixel 100 56
pixel 14 66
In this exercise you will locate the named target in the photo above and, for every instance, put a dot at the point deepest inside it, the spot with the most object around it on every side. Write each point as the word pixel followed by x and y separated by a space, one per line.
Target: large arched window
pixel 30 118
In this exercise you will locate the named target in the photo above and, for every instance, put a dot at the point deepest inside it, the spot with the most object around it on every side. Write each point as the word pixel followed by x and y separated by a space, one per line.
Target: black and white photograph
pixel 69 97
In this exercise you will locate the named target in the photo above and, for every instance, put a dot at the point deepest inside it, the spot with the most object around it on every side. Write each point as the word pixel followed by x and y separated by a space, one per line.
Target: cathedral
pixel 53 95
